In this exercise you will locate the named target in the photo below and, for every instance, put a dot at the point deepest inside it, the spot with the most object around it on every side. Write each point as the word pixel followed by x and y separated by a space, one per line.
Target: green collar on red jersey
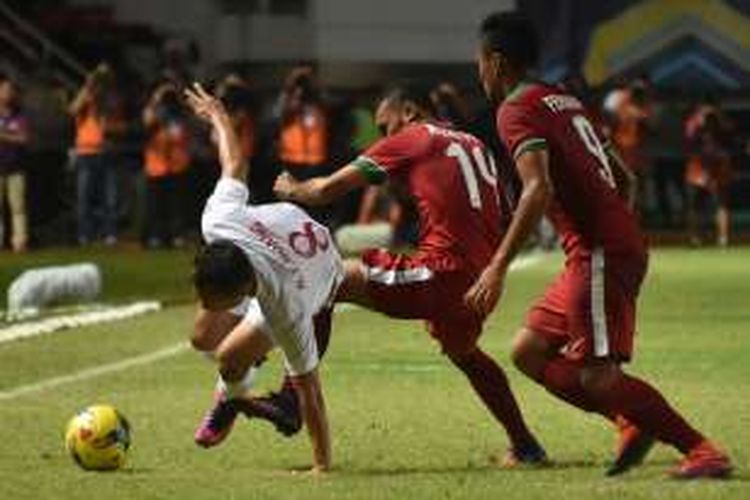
pixel 517 89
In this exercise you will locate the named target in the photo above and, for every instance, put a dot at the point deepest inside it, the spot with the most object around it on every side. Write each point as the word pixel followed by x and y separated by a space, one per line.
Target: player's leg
pixel 282 408
pixel 644 406
pixel 237 355
pixel 458 329
pixel 491 384
pixel 537 347
pixel 538 357
pixel 245 347
pixel 211 329
pixel 539 351
pixel 723 216
pixel 605 326
pixel 354 287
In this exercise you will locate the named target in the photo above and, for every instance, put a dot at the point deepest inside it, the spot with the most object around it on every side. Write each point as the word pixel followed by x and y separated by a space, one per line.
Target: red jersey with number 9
pixel 453 180
pixel 586 209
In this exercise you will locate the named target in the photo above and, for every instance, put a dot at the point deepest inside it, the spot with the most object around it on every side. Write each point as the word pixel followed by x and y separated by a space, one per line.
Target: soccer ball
pixel 98 438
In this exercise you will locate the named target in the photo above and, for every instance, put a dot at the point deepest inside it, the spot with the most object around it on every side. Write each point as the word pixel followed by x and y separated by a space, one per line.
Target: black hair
pixel 417 94
pixel 237 98
pixel 512 35
pixel 221 267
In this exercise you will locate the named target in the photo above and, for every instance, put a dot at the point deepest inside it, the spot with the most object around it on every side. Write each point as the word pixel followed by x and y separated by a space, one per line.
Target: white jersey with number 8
pixel 296 264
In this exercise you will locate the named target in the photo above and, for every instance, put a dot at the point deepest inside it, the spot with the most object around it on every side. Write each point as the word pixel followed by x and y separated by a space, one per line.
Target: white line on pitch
pixel 96 371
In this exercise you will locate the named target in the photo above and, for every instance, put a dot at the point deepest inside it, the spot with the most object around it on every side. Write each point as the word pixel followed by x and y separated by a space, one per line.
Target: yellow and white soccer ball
pixel 98 438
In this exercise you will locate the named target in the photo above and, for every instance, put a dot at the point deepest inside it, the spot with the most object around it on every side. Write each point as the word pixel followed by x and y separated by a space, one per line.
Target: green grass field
pixel 405 423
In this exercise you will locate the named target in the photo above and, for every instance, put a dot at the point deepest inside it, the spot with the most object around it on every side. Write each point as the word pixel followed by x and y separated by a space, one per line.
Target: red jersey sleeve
pixel 521 128
pixel 393 154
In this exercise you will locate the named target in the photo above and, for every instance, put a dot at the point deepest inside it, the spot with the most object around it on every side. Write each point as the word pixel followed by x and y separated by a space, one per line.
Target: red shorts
pixel 404 287
pixel 589 311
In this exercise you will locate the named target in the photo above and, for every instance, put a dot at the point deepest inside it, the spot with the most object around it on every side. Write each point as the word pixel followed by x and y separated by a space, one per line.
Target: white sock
pixel 238 388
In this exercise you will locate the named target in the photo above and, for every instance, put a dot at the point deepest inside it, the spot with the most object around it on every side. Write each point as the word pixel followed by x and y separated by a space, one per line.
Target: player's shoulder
pixel 527 94
pixel 441 132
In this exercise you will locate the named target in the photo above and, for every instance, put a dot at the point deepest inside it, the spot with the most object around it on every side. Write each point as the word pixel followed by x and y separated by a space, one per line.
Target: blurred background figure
pixel 99 124
pixel 166 161
pixel 451 106
pixel 14 136
pixel 303 136
pixel 630 113
pixel 709 172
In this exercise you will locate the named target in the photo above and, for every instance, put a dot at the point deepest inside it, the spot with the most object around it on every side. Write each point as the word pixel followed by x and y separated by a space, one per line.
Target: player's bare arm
pixel 320 190
pixel 314 415
pixel 533 169
pixel 211 110
pixel 626 179
pixel 82 97
pixel 86 93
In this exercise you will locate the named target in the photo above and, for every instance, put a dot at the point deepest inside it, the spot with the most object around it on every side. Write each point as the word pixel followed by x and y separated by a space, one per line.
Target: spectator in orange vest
pixel 98 120
pixel 630 113
pixel 14 136
pixel 303 141
pixel 166 161
pixel 709 172
pixel 632 117
pixel 303 137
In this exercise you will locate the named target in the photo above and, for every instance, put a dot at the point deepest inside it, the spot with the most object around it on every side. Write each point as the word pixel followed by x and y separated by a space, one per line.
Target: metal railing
pixel 32 43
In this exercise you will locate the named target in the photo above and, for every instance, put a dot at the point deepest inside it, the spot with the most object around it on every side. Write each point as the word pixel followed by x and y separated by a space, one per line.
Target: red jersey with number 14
pixel 454 182
pixel 586 209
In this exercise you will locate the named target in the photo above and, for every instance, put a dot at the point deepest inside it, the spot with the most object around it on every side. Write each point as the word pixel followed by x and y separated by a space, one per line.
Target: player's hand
pixel 203 104
pixel 284 186
pixel 486 291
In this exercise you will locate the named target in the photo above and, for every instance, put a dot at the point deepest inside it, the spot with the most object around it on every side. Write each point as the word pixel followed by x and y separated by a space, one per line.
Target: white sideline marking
pixel 49 325
pixel 167 352
pixel 96 371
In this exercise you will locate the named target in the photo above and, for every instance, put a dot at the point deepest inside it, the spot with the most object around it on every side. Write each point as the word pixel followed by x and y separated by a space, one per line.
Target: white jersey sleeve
pixel 229 198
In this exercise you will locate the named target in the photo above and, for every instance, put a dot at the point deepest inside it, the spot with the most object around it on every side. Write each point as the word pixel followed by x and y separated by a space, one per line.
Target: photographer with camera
pixel 303 139
pixel 166 161
pixel 99 124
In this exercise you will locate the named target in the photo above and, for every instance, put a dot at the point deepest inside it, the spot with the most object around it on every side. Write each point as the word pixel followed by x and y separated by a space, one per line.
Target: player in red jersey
pixel 453 181
pixel 581 331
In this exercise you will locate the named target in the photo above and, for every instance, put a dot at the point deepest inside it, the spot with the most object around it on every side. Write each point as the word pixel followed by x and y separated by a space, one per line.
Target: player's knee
pixel 528 354
pixel 231 366
pixel 601 379
pixel 353 288
pixel 202 342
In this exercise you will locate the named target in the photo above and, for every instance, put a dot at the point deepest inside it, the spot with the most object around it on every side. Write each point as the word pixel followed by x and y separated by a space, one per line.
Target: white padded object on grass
pixel 37 288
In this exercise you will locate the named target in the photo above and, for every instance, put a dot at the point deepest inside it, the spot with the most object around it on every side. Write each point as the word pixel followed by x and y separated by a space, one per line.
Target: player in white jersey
pixel 275 266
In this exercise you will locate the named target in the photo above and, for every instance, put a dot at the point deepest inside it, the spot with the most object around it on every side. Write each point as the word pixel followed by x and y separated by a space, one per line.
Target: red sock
pixel 492 387
pixel 644 406
pixel 562 377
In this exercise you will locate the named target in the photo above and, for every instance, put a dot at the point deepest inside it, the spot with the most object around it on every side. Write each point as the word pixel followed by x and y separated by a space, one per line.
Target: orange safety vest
pixel 167 151
pixel 304 138
pixel 89 131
